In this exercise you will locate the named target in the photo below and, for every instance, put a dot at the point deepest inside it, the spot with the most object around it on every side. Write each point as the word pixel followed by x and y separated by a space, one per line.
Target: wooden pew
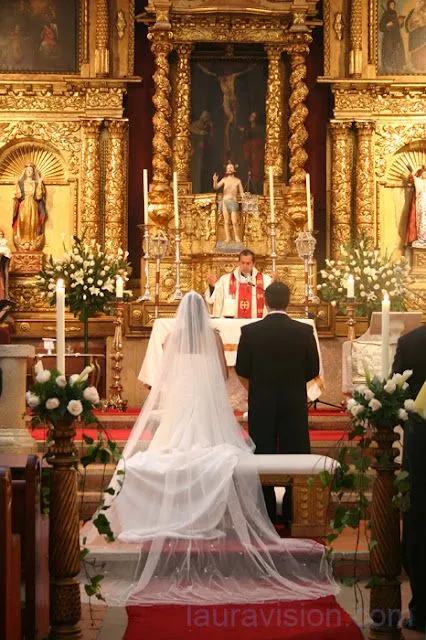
pixel 10 564
pixel 32 526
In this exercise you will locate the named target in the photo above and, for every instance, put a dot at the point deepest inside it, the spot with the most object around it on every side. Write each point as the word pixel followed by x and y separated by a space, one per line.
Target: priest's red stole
pixel 244 302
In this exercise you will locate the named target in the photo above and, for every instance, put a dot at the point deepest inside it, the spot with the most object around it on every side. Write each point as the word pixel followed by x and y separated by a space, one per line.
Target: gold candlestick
pixel 115 401
pixel 350 307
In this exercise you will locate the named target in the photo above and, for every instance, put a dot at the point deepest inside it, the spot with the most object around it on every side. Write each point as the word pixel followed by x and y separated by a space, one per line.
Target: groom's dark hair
pixel 277 296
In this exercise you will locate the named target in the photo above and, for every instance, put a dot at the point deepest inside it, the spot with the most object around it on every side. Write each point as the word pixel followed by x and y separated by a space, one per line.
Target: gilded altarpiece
pixel 72 129
pixel 243 36
pixel 377 138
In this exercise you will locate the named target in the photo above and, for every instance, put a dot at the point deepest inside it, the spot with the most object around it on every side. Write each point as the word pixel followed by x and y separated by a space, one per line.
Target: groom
pixel 276 357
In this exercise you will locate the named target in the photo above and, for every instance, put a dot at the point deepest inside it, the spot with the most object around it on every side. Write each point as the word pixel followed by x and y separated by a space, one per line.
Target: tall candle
pixel 60 326
pixel 145 196
pixel 119 287
pixel 385 335
pixel 271 193
pixel 350 285
pixel 308 201
pixel 175 199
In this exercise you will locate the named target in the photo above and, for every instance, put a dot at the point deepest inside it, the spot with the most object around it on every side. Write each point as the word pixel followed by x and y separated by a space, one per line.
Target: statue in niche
pixel 232 195
pixel 29 211
pixel 5 254
pixel 416 226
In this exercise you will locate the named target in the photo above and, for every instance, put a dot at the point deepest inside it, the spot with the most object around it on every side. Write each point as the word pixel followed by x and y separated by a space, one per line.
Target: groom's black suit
pixel 278 356
pixel 411 354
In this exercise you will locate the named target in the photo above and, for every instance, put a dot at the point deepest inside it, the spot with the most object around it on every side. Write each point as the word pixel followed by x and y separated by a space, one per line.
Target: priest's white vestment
pixel 222 291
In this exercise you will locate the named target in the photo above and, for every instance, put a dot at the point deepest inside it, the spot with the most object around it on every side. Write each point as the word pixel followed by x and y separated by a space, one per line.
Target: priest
pixel 241 293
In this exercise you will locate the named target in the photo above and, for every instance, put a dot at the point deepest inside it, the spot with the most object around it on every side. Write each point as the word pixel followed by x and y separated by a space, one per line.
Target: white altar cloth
pixel 230 331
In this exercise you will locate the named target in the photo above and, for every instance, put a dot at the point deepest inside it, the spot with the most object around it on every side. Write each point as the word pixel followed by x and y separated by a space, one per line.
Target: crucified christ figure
pixel 230 103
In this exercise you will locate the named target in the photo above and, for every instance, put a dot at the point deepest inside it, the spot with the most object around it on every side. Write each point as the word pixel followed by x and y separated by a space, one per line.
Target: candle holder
pixel 146 297
pixel 273 235
pixel 178 295
pixel 115 400
pixel 159 243
pixel 350 309
pixel 305 245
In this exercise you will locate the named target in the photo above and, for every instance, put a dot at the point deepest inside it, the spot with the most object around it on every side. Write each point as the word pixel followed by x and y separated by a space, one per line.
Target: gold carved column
pixel 182 113
pixel 90 181
pixel 102 38
pixel 274 114
pixel 160 190
pixel 298 49
pixel 116 186
pixel 364 179
pixel 355 53
pixel 341 186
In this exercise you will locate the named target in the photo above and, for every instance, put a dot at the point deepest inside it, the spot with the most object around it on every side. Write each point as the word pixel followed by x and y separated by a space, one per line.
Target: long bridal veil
pixel 191 517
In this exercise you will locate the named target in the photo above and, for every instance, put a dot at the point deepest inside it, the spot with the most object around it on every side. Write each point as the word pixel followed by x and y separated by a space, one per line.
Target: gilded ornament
pixel 182 113
pixel 161 45
pixel 102 38
pixel 298 48
pixel 116 186
pixel 338 25
pixel 131 38
pixel 120 23
pixel 274 130
pixel 226 28
pixel 341 191
pixel 90 188
pixel 355 53
pixel 364 179
pixel 326 32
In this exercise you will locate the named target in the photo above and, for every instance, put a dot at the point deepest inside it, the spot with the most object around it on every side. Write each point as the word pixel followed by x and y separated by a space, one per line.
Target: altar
pixel 230 331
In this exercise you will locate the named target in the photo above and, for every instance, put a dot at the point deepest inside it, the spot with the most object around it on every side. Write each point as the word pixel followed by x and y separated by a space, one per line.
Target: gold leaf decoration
pixel 14 160
pixel 409 159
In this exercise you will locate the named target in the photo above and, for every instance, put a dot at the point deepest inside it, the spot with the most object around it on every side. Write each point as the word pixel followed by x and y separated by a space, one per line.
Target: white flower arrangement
pixel 53 398
pixel 381 403
pixel 373 273
pixel 89 275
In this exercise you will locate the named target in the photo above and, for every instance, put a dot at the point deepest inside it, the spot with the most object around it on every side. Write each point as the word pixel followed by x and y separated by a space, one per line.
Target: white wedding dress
pixel 198 519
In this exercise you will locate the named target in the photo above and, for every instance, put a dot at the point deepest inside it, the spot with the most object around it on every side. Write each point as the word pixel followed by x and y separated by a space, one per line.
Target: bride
pixel 189 509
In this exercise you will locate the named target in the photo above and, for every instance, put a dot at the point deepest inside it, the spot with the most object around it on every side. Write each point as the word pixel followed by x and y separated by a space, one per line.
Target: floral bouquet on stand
pixel 89 275
pixel 53 398
pixel 373 273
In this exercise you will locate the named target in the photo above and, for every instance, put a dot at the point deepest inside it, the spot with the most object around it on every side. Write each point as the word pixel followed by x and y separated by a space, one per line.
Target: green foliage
pixel 373 273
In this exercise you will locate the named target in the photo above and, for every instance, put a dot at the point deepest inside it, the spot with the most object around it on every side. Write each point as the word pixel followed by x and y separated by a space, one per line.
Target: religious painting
pixel 228 122
pixel 402 37
pixel 39 36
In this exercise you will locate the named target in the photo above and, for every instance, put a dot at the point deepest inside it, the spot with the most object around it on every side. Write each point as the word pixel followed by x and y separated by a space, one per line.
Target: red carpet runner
pixel 321 619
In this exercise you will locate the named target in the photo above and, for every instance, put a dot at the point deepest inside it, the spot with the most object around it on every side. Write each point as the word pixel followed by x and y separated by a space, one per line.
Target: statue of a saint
pixel 4 266
pixel 232 195
pixel 29 211
pixel 416 227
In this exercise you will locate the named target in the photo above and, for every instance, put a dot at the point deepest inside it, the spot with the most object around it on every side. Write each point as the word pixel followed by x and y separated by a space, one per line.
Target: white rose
pixel 43 376
pixel 410 405
pixel 356 409
pixel 390 386
pixel 91 395
pixel 75 407
pixel 32 400
pixel 398 379
pixel 61 381
pixel 351 403
pixel 368 394
pixel 74 378
pixel 87 370
pixel 375 404
pixel 402 414
pixel 52 403
pixel 405 386
pixel 407 373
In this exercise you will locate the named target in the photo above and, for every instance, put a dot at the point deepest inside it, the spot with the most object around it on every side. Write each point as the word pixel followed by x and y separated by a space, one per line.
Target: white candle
pixel 175 199
pixel 350 285
pixel 229 308
pixel 145 196
pixel 385 335
pixel 271 193
pixel 60 326
pixel 119 287
pixel 308 201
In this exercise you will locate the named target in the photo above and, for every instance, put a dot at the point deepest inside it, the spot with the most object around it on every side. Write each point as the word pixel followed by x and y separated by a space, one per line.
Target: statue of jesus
pixel 232 196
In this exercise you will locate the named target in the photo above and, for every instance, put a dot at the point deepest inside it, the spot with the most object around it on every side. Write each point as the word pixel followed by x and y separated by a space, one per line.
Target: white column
pixel 14 436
